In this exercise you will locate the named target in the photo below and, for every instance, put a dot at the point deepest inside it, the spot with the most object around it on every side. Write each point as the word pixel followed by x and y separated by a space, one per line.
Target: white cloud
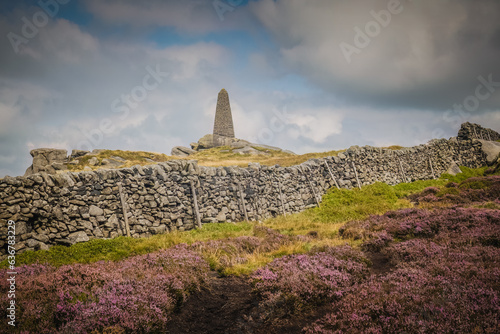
pixel 315 124
pixel 66 42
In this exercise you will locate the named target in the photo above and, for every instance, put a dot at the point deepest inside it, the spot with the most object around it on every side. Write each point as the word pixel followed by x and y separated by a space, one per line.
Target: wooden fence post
pixel 256 198
pixel 331 174
pixel 281 198
pixel 312 188
pixel 242 199
pixel 124 208
pixel 356 173
pixel 432 169
pixel 403 175
pixel 195 203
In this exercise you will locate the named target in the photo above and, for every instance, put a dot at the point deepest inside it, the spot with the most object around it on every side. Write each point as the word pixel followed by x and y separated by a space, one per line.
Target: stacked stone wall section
pixel 69 207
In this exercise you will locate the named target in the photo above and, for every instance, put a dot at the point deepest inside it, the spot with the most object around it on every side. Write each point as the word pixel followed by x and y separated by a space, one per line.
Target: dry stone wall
pixel 68 207
pixel 476 131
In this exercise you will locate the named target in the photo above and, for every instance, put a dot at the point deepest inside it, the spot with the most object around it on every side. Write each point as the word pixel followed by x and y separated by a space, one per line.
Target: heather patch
pixel 445 278
pixel 413 300
pixel 459 225
pixel 298 282
pixel 135 295
pixel 472 190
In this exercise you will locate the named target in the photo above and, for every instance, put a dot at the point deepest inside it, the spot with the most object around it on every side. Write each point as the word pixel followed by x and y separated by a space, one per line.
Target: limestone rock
pixel 181 151
pixel 77 237
pixel 41 246
pixel 266 147
pixel 211 141
pixel 95 211
pixel 249 150
pixel 221 217
pixel 491 149
pixel 206 142
pixel 240 143
pixel 93 161
pixel 78 153
pixel 157 229
pixel 453 169
pixel 47 160
pixel 31 243
pixel 112 162
pixel 254 165
pixel 112 222
pixel 21 228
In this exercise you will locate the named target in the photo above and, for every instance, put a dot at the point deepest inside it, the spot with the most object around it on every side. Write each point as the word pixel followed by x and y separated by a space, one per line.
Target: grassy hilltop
pixel 214 157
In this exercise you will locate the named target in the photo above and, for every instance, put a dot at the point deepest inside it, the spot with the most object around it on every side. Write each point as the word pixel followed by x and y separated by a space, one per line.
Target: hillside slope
pixel 428 263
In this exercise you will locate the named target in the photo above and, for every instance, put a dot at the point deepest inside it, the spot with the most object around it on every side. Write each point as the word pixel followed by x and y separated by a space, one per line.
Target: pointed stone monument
pixel 223 135
pixel 223 125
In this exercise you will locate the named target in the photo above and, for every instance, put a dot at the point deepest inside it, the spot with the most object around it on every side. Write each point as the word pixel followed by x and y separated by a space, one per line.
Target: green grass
pixel 466 174
pixel 342 205
pixel 123 247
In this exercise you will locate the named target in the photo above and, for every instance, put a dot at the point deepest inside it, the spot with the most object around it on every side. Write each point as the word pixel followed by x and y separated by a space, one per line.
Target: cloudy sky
pixel 307 76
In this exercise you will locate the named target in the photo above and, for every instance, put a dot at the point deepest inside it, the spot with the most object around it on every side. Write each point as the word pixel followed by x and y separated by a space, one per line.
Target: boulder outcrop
pixel 48 160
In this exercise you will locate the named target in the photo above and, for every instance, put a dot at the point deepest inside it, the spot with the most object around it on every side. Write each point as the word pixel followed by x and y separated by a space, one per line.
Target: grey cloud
pixel 429 55
pixel 187 16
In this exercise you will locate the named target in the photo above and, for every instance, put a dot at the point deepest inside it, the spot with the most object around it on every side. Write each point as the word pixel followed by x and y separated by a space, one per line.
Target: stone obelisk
pixel 223 125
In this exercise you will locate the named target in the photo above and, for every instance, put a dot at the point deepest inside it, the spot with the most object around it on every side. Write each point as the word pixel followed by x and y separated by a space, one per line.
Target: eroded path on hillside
pixel 220 308
pixel 228 306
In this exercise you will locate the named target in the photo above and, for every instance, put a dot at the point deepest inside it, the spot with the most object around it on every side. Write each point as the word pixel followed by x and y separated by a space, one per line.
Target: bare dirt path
pixel 228 306
pixel 221 308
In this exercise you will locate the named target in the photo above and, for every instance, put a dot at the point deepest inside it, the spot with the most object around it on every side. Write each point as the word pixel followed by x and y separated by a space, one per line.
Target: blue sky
pixel 307 76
